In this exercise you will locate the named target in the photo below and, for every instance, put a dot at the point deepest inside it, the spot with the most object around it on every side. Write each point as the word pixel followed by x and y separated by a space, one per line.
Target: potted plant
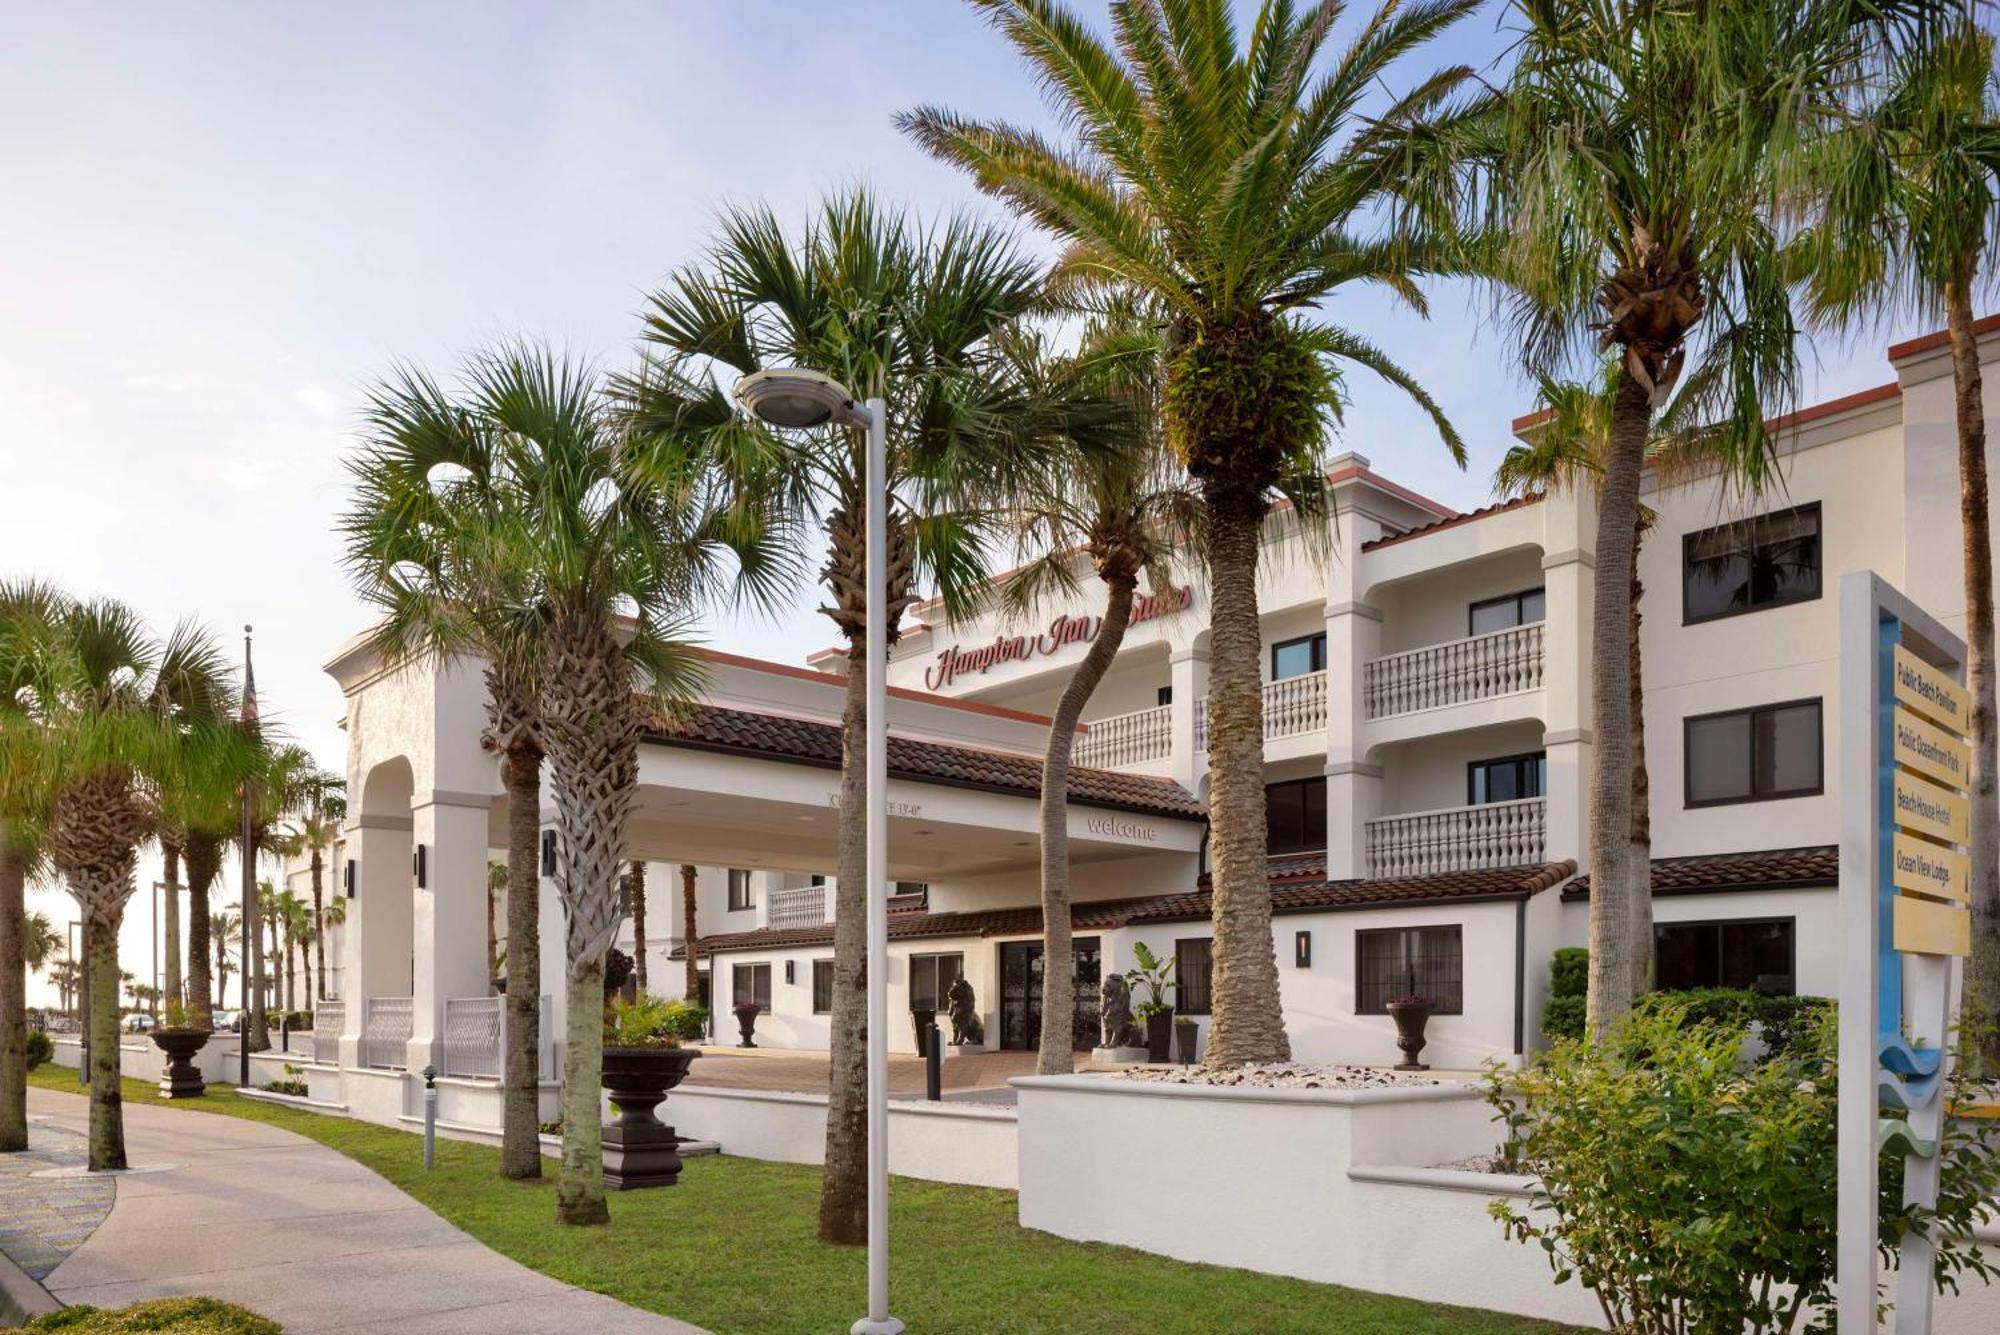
pixel 1187 1037
pixel 1411 1014
pixel 746 1021
pixel 180 1041
pixel 643 1059
pixel 1154 1012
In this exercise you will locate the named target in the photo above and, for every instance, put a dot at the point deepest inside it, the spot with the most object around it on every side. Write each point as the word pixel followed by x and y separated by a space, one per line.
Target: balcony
pixel 1425 843
pixel 801 906
pixel 1292 706
pixel 1137 738
pixel 1479 667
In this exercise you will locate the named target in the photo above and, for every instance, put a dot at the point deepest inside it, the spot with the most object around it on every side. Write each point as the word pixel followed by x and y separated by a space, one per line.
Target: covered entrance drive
pixel 1021 994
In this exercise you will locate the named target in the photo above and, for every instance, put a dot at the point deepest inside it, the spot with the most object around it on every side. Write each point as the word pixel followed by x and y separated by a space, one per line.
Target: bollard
pixel 934 1065
pixel 430 1117
pixel 285 1034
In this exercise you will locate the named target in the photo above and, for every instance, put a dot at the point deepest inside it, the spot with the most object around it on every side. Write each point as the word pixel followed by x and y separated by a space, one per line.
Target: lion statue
pixel 962 1007
pixel 1114 1002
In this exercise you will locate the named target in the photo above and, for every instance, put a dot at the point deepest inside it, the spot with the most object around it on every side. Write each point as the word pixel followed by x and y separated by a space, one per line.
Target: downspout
pixel 1520 974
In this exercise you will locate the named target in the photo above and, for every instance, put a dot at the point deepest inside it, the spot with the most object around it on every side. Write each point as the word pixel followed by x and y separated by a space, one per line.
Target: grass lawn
pixel 732 1248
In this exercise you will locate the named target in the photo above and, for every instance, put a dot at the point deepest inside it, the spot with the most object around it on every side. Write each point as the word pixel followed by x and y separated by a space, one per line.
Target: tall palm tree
pixel 65 973
pixel 690 929
pixel 496 887
pixel 609 541
pixel 334 915
pixel 317 820
pixel 1236 189
pixel 40 941
pixel 28 613
pixel 1638 156
pixel 225 929
pixel 289 918
pixel 284 781
pixel 635 885
pixel 1903 205
pixel 199 691
pixel 893 309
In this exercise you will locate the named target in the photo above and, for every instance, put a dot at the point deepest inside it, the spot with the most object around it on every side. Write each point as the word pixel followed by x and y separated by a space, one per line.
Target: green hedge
pixel 41 1048
pixel 170 1316
pixel 1562 1017
pixel 1782 1019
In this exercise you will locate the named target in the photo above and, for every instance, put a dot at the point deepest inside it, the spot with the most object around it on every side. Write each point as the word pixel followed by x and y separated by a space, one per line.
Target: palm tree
pixel 285 781
pixel 28 613
pixel 225 928
pixel 635 885
pixel 198 692
pixel 1234 191
pixel 322 807
pixel 290 920
pixel 1903 205
pixel 1638 155
pixel 895 310
pixel 496 886
pixel 608 541
pixel 690 929
pixel 65 973
pixel 40 941
pixel 335 915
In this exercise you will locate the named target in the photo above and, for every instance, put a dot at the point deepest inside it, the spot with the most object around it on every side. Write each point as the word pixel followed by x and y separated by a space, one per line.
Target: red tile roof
pixel 1712 873
pixel 809 742
pixel 1319 896
pixel 1499 507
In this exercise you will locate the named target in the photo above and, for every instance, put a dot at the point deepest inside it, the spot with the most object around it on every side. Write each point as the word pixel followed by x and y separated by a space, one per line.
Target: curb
pixel 21 1296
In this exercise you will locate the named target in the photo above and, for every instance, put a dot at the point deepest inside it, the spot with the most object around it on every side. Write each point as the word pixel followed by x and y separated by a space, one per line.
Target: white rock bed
pixel 1284 1075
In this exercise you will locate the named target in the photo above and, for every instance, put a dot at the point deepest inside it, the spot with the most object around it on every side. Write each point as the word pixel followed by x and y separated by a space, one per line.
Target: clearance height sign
pixel 1905 922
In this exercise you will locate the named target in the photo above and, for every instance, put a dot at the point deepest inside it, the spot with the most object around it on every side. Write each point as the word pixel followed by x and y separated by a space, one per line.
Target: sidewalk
pixel 302 1234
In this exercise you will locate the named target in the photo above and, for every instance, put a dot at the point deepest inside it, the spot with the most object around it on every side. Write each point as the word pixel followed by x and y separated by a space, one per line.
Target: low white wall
pixel 944 1142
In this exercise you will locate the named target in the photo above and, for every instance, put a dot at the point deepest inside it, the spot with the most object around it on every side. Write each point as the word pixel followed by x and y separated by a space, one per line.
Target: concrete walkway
pixel 289 1228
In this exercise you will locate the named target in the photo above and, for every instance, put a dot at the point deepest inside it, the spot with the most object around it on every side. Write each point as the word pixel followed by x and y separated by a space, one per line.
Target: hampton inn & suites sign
pixel 1065 630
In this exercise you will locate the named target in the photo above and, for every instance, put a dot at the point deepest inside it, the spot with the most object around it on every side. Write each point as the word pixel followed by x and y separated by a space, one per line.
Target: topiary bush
pixel 171 1316
pixel 1569 983
pixel 1562 1018
pixel 41 1048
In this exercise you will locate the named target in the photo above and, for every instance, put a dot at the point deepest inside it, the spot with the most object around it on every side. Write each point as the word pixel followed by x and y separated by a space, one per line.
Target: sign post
pixel 1904 918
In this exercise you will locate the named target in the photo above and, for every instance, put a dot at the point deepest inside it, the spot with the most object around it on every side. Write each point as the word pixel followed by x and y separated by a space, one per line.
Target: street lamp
pixel 798 399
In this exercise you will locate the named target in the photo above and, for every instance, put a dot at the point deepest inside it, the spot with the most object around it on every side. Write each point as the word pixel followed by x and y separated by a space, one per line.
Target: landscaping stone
pixel 1284 1075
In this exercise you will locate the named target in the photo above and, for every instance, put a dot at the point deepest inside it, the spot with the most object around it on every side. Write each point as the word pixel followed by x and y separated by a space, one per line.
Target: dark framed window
pixel 751 982
pixel 1507 779
pixel 1164 696
pixel 1507 611
pixel 1397 962
pixel 931 977
pixel 1297 658
pixel 1757 953
pixel 739 890
pixel 817 878
pixel 822 987
pixel 1193 962
pixel 1767 561
pixel 1295 815
pixel 1754 755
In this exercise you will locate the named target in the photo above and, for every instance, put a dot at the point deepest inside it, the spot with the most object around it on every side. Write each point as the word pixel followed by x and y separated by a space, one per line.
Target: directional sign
pixel 1926 928
pixel 1928 809
pixel 1930 869
pixel 1929 691
pixel 1931 750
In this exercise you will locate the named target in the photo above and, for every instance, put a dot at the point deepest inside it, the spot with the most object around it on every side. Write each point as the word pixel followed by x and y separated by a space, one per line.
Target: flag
pixel 249 685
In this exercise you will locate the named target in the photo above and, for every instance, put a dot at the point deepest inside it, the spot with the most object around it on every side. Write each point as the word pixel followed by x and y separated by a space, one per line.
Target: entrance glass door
pixel 1021 993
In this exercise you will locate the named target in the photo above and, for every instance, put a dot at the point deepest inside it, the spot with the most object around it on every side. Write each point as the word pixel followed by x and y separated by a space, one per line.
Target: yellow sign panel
pixel 1931 750
pixel 1925 928
pixel 1930 692
pixel 1929 868
pixel 1928 809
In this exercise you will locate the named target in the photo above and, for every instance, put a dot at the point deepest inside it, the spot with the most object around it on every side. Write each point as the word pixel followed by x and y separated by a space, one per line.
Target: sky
pixel 220 222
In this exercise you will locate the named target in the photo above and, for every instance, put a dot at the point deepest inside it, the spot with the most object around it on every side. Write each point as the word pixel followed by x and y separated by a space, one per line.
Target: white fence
pixel 1127 739
pixel 800 906
pixel 1494 834
pixel 1501 662
pixel 329 1021
pixel 1292 706
pixel 386 1026
pixel 475 1039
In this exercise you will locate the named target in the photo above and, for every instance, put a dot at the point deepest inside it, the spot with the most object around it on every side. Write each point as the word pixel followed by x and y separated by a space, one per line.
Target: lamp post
pixel 798 400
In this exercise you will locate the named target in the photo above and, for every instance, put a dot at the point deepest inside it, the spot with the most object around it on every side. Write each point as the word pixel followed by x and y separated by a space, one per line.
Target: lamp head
pixel 797 398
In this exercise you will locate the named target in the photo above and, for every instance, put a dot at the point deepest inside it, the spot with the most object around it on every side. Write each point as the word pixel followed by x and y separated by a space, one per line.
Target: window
pixel 1409 961
pixel 1296 658
pixel 1507 779
pixel 822 987
pixel 739 890
pixel 1752 953
pixel 1763 562
pixel 1515 609
pixel 1192 960
pixel 1754 755
pixel 817 878
pixel 751 982
pixel 1295 815
pixel 1164 696
pixel 931 977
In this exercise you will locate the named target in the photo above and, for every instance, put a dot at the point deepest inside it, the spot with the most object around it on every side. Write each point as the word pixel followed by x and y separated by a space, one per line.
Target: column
pixel 1353 637
pixel 449 920
pixel 1188 672
pixel 1568 565
pixel 377 934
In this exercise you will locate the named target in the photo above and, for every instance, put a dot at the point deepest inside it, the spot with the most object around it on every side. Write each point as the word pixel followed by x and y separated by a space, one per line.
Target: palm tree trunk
pixel 843 1198
pixel 107 1105
pixel 13 998
pixel 1642 810
pixel 204 864
pixel 520 1142
pixel 690 929
pixel 580 1191
pixel 1058 1042
pixel 1611 886
pixel 1248 1023
pixel 170 908
pixel 1983 969
pixel 319 921
pixel 639 922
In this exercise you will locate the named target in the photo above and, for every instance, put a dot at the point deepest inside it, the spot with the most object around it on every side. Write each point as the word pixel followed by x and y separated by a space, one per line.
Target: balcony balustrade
pixel 1479 667
pixel 1137 738
pixel 801 906
pixel 329 1019
pixel 1425 843
pixel 1292 706
pixel 386 1026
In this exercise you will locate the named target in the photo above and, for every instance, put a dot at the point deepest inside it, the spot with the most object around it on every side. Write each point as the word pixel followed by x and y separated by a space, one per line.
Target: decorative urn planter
pixel 1411 1014
pixel 746 1020
pixel 1160 1035
pixel 181 1080
pixel 639 1149
pixel 1187 1037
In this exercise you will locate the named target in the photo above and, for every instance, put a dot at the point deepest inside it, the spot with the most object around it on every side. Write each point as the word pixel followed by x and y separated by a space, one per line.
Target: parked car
pixel 140 1023
pixel 228 1022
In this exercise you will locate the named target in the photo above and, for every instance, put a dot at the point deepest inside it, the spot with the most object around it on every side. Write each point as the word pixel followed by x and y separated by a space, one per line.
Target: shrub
pixel 175 1316
pixel 296 1021
pixel 1689 1190
pixel 1784 1022
pixel 1569 972
pixel 41 1048
pixel 655 1022
pixel 1562 1017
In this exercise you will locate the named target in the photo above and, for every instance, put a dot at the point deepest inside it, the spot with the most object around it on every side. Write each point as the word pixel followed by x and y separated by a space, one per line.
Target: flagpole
pixel 246 841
